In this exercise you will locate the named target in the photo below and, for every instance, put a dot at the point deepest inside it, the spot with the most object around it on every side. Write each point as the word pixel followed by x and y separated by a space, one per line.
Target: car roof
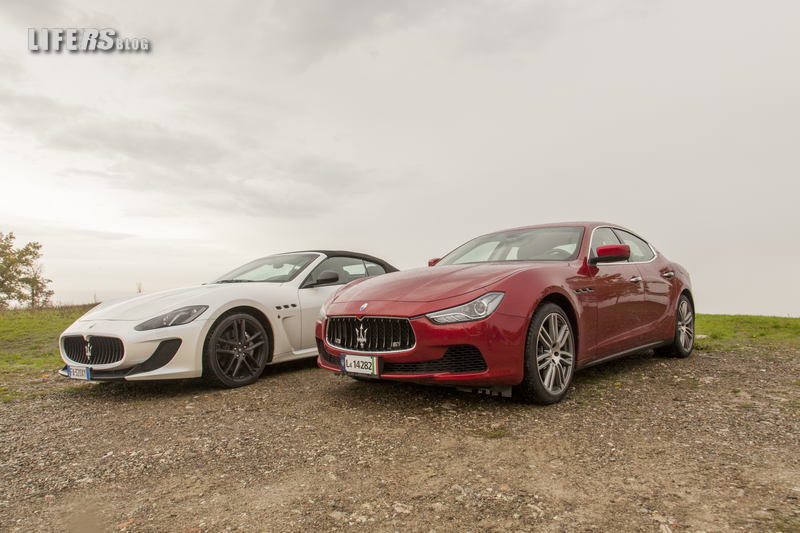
pixel 581 223
pixel 588 224
pixel 346 253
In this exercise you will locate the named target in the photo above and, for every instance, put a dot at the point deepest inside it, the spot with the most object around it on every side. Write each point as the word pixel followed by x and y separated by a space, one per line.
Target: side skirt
pixel 623 353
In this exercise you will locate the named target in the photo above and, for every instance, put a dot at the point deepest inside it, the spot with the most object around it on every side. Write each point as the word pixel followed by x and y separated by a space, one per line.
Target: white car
pixel 226 331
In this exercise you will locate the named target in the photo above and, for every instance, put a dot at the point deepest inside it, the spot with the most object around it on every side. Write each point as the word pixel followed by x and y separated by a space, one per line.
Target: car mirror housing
pixel 432 262
pixel 326 277
pixel 611 253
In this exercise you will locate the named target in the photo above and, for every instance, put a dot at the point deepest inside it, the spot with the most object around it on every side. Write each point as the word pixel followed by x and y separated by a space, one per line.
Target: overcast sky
pixel 403 129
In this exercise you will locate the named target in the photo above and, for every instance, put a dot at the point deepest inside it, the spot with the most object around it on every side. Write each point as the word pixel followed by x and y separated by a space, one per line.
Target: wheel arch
pixel 566 304
pixel 688 294
pixel 255 313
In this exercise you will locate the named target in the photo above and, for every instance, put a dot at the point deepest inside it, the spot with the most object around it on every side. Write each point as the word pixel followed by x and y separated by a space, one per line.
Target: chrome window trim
pixel 655 253
pixel 347 350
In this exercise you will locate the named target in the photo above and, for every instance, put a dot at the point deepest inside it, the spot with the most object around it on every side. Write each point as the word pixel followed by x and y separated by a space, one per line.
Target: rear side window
pixel 640 250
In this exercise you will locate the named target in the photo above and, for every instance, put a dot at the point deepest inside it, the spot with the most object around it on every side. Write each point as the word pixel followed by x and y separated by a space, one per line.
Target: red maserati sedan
pixel 513 313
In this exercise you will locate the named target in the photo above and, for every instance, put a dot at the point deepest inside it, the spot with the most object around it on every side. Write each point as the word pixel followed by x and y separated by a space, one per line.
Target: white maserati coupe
pixel 225 331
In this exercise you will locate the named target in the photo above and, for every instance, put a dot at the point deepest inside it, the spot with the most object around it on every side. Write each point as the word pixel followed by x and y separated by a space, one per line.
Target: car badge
pixel 361 336
pixel 363 306
pixel 88 350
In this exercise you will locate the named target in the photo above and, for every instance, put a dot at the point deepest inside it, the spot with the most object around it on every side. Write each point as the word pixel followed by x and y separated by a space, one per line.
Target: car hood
pixel 146 306
pixel 429 284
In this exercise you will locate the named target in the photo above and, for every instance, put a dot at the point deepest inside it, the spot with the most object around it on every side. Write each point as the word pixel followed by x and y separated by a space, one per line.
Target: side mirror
pixel 433 261
pixel 326 277
pixel 611 254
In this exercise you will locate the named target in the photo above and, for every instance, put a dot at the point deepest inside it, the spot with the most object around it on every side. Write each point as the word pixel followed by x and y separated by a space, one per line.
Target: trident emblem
pixel 361 336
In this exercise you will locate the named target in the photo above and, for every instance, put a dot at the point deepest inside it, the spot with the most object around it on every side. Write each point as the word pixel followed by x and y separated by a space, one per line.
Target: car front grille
pixel 370 334
pixel 457 359
pixel 94 351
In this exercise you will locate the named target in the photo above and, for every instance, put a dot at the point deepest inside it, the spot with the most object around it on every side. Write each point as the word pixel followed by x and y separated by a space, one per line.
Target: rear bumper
pixel 500 339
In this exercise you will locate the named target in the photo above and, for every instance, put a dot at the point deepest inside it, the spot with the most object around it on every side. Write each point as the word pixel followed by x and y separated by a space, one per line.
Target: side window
pixel 603 237
pixel 374 269
pixel 348 268
pixel 640 251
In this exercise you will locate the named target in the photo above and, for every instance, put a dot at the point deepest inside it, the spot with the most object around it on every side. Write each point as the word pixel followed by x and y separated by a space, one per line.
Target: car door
pixel 657 286
pixel 312 295
pixel 619 296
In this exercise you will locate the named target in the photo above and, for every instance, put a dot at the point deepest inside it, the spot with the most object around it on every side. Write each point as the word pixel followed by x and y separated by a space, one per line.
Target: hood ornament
pixel 361 336
pixel 363 306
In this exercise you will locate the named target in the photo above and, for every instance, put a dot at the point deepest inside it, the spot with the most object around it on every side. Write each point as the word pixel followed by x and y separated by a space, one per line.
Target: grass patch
pixel 728 331
pixel 8 394
pixel 494 433
pixel 29 338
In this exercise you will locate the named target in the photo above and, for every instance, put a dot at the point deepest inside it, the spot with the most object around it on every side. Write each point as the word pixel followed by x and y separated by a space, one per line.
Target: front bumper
pixel 500 339
pixel 166 353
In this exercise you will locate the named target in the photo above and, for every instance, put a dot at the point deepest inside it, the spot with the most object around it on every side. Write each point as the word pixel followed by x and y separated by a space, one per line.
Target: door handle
pixel 669 274
pixel 636 279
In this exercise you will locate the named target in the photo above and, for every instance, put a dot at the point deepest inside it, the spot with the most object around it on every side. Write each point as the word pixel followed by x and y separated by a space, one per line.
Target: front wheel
pixel 683 343
pixel 236 351
pixel 549 357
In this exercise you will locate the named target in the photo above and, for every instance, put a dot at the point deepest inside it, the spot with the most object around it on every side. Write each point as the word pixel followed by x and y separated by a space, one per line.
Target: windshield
pixel 537 244
pixel 275 269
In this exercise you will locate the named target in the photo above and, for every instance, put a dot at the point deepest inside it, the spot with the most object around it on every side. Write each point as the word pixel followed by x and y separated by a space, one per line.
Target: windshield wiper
pixel 235 281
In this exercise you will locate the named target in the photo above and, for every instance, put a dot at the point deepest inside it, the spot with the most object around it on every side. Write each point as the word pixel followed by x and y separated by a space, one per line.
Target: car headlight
pixel 178 317
pixel 477 309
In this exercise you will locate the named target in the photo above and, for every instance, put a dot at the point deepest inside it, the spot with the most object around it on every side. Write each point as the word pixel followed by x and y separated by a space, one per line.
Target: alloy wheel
pixel 685 325
pixel 555 353
pixel 240 349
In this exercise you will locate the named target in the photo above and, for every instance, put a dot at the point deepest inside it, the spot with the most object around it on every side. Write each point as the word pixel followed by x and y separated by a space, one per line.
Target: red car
pixel 514 312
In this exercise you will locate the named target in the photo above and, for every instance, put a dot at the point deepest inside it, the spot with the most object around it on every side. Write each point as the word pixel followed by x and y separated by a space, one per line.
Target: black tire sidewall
pixel 532 389
pixel 211 369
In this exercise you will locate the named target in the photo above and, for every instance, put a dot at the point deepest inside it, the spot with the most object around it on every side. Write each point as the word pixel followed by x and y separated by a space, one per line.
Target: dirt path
pixel 711 443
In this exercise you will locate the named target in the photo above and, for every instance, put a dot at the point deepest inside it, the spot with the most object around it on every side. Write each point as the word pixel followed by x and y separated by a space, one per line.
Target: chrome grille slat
pixel 104 350
pixel 382 334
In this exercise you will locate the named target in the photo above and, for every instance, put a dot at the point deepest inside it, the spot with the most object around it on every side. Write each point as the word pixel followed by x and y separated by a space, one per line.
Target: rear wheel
pixel 683 343
pixel 549 357
pixel 236 351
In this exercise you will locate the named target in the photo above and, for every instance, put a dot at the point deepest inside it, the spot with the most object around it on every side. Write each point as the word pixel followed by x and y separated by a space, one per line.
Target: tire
pixel 683 342
pixel 236 351
pixel 549 362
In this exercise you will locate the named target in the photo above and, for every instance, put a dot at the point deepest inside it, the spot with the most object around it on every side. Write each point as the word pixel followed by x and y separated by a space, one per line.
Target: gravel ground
pixel 709 443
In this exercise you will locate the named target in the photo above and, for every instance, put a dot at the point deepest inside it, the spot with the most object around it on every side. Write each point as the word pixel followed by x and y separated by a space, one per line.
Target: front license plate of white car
pixel 79 372
pixel 360 364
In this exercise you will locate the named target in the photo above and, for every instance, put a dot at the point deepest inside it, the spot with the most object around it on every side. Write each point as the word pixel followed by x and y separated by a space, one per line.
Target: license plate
pixel 79 372
pixel 360 364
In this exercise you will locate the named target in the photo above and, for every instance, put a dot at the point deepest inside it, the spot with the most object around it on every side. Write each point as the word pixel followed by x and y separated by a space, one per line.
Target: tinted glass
pixel 603 237
pixel 374 269
pixel 640 251
pixel 537 244
pixel 274 269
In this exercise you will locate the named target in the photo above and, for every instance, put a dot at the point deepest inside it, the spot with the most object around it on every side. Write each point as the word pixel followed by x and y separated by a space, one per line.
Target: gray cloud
pixel 137 140
pixel 36 13
pixel 311 30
